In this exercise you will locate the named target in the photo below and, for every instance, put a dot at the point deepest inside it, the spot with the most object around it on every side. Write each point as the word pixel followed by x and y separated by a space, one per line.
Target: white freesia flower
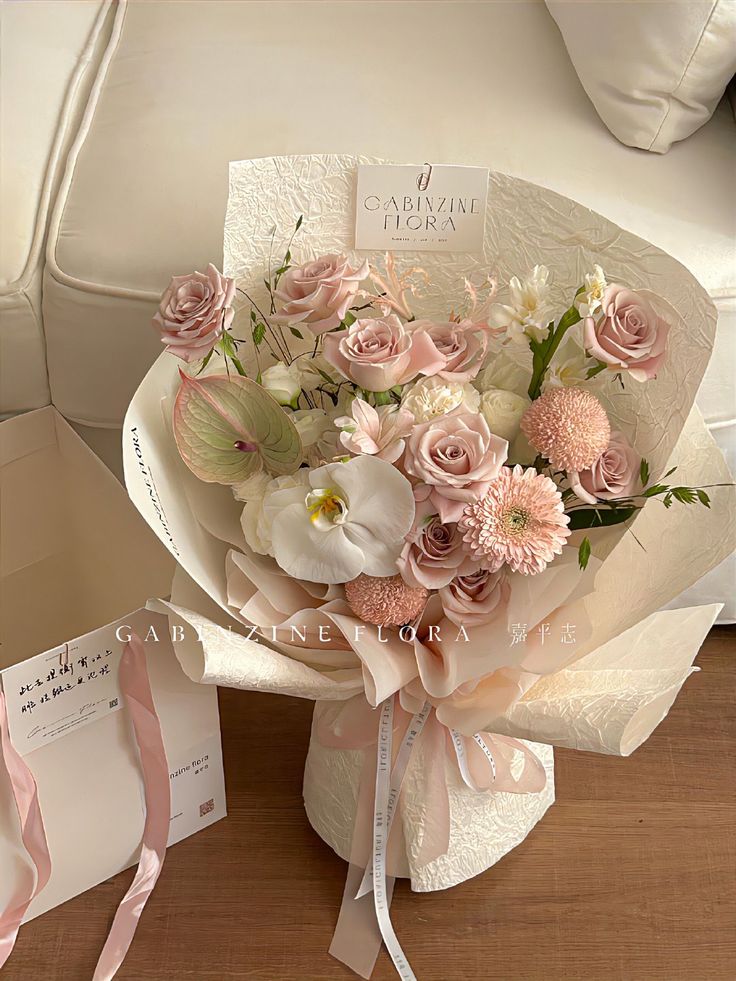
pixel 352 518
pixel 255 521
pixel 502 411
pixel 589 301
pixel 283 382
pixel 528 312
pixel 432 397
pixel 569 367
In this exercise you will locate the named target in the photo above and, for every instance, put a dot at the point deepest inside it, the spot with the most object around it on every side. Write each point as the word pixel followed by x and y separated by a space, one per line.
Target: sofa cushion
pixel 654 69
pixel 189 86
pixel 48 52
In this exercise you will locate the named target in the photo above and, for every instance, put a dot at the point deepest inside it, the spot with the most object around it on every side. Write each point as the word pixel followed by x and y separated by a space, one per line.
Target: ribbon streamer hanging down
pixel 33 836
pixel 136 689
pixel 356 940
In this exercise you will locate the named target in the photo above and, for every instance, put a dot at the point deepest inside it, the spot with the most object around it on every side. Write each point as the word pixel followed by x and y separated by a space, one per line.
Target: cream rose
pixel 318 293
pixel 378 353
pixel 194 311
pixel 630 336
pixel 614 474
pixel 458 456
pixel 475 598
pixel 503 411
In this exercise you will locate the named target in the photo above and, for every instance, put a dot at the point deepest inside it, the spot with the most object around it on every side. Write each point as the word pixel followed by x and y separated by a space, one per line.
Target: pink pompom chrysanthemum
pixel 568 426
pixel 521 522
pixel 386 601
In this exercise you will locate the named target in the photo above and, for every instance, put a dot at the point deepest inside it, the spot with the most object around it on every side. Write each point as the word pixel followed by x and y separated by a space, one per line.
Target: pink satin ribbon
pixel 33 836
pixel 354 725
pixel 136 688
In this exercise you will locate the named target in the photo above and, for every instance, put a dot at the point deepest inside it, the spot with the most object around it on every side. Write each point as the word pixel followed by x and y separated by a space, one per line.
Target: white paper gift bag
pixel 77 565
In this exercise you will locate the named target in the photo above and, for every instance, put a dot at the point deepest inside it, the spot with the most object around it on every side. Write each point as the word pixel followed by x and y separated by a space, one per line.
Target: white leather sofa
pixel 119 120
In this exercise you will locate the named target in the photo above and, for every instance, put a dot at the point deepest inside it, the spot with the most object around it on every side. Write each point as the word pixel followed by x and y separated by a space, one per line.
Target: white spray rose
pixel 432 397
pixel 509 368
pixel 283 382
pixel 503 411
pixel 256 518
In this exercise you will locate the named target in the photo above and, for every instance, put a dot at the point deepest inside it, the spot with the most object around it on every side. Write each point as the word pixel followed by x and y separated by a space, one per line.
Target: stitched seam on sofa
pixel 54 162
pixel 79 141
pixel 685 70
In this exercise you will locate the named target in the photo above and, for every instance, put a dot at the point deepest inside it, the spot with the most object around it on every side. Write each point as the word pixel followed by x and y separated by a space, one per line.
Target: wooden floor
pixel 631 876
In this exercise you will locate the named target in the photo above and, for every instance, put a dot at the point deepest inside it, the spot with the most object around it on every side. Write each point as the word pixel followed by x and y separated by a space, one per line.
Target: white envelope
pixel 77 565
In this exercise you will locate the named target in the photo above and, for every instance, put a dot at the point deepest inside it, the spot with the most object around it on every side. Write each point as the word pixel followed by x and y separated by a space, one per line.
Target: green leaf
pixel 206 361
pixel 669 473
pixel 584 553
pixel 299 223
pixel 667 500
pixel 685 495
pixel 596 369
pixel 644 472
pixel 382 398
pixel 598 517
pixel 703 498
pixel 349 319
pixel 228 428
pixel 655 489
pixel 297 333
pixel 259 332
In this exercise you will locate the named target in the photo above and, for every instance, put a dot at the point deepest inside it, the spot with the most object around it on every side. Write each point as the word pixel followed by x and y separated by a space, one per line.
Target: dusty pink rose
pixel 194 311
pixel 377 432
pixel 630 336
pixel 463 346
pixel 614 474
pixel 458 456
pixel 475 598
pixel 378 353
pixel 318 293
pixel 434 552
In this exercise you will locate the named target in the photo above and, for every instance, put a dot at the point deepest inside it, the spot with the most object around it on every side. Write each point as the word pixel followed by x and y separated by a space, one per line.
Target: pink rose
pixel 463 346
pixel 376 432
pixel 194 311
pixel 475 598
pixel 630 336
pixel 377 354
pixel 614 474
pixel 318 293
pixel 458 456
pixel 434 552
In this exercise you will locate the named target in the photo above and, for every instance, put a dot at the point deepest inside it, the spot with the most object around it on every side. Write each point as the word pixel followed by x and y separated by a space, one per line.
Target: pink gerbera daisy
pixel 521 522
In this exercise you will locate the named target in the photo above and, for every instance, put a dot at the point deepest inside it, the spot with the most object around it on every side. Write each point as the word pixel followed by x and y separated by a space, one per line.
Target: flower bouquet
pixel 442 495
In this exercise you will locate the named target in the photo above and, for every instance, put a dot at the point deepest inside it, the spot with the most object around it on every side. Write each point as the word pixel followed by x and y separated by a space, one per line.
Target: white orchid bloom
pixel 352 518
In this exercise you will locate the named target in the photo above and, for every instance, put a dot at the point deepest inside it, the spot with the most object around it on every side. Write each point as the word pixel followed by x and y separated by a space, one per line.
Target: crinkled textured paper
pixel 627 674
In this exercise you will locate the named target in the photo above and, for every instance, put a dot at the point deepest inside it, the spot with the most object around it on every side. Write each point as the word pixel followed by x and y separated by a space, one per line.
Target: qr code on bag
pixel 207 808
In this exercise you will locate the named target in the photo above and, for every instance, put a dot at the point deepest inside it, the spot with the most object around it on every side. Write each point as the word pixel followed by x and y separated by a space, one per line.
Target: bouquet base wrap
pixel 483 825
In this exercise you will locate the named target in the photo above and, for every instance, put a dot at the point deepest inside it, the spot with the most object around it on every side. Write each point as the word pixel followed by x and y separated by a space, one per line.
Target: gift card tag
pixel 423 208
pixel 197 789
pixel 70 686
